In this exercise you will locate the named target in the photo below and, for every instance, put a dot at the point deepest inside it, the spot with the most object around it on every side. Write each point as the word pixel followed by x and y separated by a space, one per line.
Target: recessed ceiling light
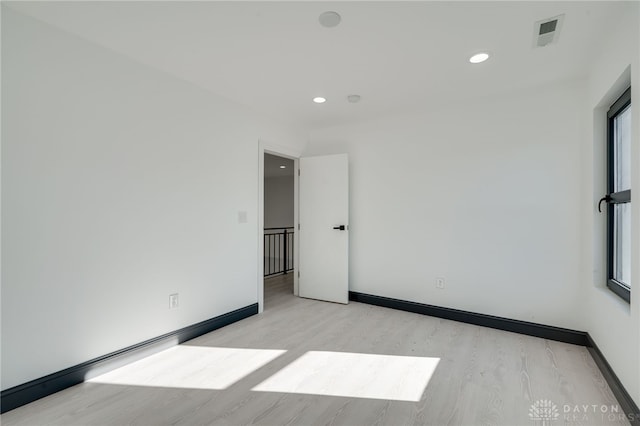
pixel 330 19
pixel 319 100
pixel 283 167
pixel 353 98
pixel 479 57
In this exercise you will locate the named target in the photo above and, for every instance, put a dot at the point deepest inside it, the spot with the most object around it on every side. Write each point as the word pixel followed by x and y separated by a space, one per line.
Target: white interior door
pixel 324 228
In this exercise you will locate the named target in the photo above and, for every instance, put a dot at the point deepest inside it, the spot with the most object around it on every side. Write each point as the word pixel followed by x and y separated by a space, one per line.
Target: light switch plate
pixel 173 301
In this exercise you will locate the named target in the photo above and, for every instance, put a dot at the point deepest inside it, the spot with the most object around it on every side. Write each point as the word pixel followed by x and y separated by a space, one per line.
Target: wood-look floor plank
pixel 484 376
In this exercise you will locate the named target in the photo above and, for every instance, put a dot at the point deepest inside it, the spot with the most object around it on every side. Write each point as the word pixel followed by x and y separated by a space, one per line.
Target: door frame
pixel 266 147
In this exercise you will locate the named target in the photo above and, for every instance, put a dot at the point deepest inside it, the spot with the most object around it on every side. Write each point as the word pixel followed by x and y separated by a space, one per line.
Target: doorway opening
pixel 278 236
pixel 324 256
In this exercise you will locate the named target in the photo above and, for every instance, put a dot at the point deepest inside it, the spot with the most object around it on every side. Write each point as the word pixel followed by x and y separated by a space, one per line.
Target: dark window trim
pixel 620 289
pixel 621 103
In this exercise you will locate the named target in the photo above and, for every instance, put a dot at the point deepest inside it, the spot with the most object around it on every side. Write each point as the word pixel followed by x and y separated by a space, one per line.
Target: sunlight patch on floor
pixel 400 378
pixel 196 367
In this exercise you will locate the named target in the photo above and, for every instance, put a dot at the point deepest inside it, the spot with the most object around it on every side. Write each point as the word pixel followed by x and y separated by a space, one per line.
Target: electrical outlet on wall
pixel 440 283
pixel 173 301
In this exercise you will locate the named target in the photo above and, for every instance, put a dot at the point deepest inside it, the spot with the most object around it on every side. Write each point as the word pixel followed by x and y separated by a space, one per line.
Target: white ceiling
pixel 274 57
pixel 272 165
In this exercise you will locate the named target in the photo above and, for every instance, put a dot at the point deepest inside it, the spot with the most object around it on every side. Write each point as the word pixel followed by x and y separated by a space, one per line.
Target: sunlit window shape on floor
pixel 193 367
pixel 355 375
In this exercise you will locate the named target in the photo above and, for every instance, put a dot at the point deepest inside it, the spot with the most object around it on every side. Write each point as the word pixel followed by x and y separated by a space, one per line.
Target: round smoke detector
pixel 330 19
pixel 353 98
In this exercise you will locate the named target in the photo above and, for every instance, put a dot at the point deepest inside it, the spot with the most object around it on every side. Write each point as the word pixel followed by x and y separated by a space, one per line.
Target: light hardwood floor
pixel 484 376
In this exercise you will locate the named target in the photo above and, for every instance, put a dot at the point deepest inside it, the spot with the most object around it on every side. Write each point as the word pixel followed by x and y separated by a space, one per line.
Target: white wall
pixel 278 201
pixel 120 185
pixel 614 324
pixel 485 194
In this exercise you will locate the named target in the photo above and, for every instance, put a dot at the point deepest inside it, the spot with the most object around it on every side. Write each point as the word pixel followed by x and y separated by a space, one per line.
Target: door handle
pixel 606 199
pixel 340 228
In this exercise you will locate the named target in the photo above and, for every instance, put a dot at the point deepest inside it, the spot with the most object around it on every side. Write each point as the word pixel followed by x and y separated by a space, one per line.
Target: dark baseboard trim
pixel 39 388
pixel 581 338
pixel 506 324
pixel 626 402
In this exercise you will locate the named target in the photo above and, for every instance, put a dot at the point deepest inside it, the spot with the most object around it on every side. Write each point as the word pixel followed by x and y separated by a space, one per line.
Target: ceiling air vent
pixel 547 31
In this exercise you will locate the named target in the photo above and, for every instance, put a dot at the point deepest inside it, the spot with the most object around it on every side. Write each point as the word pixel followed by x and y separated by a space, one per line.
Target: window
pixel 618 198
